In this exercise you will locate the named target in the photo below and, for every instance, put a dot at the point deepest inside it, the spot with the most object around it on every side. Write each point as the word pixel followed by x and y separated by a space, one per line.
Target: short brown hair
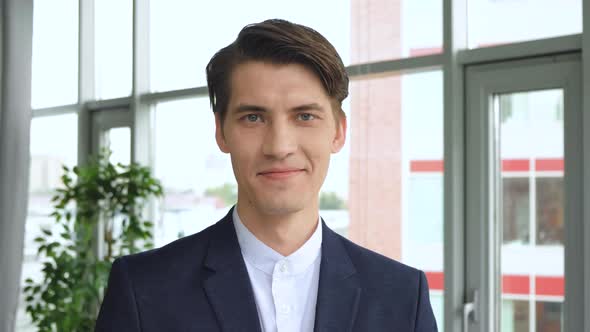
pixel 280 42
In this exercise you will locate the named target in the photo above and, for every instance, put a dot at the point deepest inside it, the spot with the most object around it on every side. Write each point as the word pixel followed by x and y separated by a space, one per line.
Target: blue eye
pixel 306 116
pixel 253 117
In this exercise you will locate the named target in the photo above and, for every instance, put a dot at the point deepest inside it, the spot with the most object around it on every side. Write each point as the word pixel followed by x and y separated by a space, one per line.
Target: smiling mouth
pixel 281 174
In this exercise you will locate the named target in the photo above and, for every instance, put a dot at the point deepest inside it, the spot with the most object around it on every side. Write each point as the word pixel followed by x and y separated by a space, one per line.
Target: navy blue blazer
pixel 200 283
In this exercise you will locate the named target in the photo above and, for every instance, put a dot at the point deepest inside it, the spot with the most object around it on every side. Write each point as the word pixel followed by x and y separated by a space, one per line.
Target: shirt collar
pixel 265 258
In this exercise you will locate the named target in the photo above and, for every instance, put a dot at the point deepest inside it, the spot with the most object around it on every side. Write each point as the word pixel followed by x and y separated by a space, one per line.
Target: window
pixel 114 45
pixel 361 31
pixel 550 210
pixel 179 62
pixel 118 141
pixel 532 262
pixel 515 316
pixel 198 180
pixel 549 316
pixel 55 53
pixel 516 210
pixel 384 190
pixel 386 30
pixel 396 171
pixel 493 22
pixel 47 158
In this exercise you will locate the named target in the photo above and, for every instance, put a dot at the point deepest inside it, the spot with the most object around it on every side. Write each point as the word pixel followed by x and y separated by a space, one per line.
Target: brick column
pixel 375 165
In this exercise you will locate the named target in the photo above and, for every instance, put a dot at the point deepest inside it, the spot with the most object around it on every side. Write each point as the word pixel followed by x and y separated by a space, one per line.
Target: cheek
pixel 243 157
pixel 319 152
pixel 322 138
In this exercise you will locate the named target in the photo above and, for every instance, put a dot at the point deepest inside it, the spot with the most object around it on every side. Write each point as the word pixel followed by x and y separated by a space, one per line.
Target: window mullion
pixel 454 40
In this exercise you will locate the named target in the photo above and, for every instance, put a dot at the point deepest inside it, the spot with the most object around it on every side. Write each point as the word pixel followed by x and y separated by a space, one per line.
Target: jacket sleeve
pixel 425 321
pixel 118 311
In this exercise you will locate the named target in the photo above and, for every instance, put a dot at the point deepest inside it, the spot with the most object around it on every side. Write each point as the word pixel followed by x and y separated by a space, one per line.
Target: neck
pixel 284 233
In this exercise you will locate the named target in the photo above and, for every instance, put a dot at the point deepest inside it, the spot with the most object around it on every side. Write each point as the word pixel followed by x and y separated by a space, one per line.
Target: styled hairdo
pixel 280 42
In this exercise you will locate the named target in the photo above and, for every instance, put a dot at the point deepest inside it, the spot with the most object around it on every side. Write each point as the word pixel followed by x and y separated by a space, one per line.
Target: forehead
pixel 268 83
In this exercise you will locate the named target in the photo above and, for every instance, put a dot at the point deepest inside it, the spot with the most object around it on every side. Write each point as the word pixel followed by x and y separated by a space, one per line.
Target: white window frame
pixel 483 81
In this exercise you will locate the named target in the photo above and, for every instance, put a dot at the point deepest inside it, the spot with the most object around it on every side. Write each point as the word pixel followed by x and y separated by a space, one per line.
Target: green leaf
pixel 73 279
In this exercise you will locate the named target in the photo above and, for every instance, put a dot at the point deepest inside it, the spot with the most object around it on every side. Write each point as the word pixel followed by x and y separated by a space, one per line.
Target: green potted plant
pixel 100 205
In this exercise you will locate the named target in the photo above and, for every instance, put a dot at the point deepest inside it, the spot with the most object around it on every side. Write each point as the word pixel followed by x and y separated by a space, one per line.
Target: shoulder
pixel 379 270
pixel 388 286
pixel 392 293
pixel 179 259
pixel 174 252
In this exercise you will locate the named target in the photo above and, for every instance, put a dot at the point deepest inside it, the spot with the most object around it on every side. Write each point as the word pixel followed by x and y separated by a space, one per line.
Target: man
pixel 271 264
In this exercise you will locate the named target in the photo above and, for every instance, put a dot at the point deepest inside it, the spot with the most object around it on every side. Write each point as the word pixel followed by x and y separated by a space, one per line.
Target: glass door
pixel 111 129
pixel 523 220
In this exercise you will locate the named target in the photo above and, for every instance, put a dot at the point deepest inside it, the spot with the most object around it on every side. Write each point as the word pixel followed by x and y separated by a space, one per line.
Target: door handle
pixel 470 311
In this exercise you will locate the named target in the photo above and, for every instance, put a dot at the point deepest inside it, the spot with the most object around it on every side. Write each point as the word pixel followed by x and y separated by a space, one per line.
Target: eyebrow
pixel 242 108
pixel 309 107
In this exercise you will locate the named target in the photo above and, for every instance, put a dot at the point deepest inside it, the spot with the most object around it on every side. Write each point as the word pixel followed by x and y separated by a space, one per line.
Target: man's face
pixel 280 131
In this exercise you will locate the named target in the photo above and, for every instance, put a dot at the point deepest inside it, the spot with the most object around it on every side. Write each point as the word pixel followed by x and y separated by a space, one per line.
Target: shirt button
pixel 283 267
pixel 285 309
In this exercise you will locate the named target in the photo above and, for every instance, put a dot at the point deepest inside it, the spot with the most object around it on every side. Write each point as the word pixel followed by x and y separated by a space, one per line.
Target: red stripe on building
pixel 549 165
pixel 418 166
pixel 508 165
pixel 511 284
pixel 552 286
pixel 515 284
pixel 516 165
pixel 436 280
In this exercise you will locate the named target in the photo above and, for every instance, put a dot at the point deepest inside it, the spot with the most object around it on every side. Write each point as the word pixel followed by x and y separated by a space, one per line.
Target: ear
pixel 219 137
pixel 340 136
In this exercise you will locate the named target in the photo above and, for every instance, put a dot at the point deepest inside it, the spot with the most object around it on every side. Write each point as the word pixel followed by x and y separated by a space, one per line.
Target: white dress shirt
pixel 285 288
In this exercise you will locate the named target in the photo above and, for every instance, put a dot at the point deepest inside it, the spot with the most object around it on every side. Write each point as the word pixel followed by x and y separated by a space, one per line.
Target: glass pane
pixel 361 31
pixel 550 210
pixel 532 261
pixel 384 30
pixel 493 22
pixel 114 43
pixel 549 316
pixel 515 200
pixel 396 169
pixel 50 149
pixel 118 140
pixel 198 180
pixel 55 53
pixel 178 63
pixel 515 315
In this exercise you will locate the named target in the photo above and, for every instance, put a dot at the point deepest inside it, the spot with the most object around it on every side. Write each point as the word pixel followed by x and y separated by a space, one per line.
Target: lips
pixel 280 173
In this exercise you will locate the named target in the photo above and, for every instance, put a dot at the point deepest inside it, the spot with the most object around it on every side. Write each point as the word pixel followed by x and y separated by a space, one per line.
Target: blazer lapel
pixel 228 288
pixel 339 290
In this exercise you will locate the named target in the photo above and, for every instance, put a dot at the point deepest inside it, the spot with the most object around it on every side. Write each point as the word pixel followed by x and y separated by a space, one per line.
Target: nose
pixel 280 140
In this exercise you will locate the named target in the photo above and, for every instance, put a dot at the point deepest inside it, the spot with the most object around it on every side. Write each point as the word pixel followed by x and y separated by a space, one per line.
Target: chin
pixel 269 207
